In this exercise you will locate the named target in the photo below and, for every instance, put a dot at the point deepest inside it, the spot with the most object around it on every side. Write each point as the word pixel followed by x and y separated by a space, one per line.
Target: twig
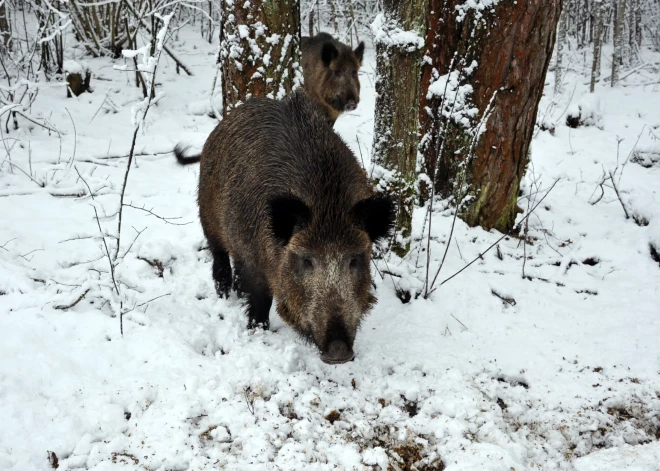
pixel 69 306
pixel 360 149
pixel 91 193
pixel 616 190
pixel 123 187
pixel 478 257
pixel 456 319
pixel 162 218
pixel 102 103
pixel 40 184
pixel 3 245
pixel 75 138
pixel 249 399
pixel 36 122
pixel 107 252
pixel 630 154
pixel 139 233
pixel 76 238
pixel 150 101
pixel 451 233
pixel 24 256
pixel 153 299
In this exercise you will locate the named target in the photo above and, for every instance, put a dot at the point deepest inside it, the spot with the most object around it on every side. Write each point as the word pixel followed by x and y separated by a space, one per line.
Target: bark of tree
pixel 502 54
pixel 5 29
pixel 617 57
pixel 259 50
pixel 598 44
pixel 561 40
pixel 396 128
pixel 500 58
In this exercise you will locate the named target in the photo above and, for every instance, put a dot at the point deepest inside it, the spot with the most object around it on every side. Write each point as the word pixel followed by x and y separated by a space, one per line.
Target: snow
pixel 556 371
pixel 588 110
pixel 457 103
pixel 73 67
pixel 477 6
pixel 387 32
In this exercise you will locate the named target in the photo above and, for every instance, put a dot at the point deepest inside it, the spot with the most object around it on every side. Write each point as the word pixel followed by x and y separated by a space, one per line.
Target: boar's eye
pixel 308 264
pixel 355 262
pixel 355 74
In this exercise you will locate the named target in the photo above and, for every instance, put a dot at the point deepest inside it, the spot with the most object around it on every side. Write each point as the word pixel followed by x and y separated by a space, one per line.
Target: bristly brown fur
pixel 330 70
pixel 283 195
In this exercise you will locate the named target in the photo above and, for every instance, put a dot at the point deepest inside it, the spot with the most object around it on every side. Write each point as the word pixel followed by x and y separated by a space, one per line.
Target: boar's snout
pixel 350 105
pixel 338 352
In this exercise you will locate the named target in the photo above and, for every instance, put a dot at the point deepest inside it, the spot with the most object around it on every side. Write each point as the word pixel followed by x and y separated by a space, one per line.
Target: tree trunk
pixel 259 50
pixel 561 40
pixel 638 25
pixel 618 40
pixel 478 126
pixel 399 47
pixel 5 29
pixel 598 44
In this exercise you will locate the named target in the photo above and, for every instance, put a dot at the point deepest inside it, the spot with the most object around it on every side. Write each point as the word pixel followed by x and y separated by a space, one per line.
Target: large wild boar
pixel 330 70
pixel 283 196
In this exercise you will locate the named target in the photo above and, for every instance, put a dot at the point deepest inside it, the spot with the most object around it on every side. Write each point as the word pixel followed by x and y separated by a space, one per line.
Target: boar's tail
pixel 183 159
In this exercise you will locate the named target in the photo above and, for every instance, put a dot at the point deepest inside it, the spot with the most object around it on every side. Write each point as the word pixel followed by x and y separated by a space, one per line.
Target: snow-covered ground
pixel 557 370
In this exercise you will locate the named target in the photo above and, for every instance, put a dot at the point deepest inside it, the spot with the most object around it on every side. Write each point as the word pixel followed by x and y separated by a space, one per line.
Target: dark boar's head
pixel 325 279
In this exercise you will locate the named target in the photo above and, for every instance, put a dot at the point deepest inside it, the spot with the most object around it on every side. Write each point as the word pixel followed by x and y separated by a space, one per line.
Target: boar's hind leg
pixel 257 294
pixel 221 270
pixel 237 283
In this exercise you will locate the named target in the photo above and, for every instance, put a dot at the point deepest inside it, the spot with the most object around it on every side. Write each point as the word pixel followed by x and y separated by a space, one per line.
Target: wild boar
pixel 284 197
pixel 330 70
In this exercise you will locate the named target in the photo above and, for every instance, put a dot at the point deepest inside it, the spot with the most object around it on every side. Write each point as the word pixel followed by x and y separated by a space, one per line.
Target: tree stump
pixel 78 78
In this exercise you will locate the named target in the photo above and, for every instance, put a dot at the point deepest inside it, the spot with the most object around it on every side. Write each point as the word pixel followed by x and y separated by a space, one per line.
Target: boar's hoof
pixel 254 323
pixel 338 352
pixel 222 290
pixel 350 106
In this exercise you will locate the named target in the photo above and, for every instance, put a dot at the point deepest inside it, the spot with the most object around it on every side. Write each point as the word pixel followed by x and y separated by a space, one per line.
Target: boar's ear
pixel 287 216
pixel 375 215
pixel 328 53
pixel 359 52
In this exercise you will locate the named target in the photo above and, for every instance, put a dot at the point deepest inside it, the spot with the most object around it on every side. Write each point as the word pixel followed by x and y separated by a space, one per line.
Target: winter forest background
pixel 518 317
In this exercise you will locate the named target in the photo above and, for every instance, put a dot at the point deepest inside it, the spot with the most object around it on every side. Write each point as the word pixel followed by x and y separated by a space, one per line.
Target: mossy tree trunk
pixel 477 134
pixel 399 48
pixel 259 50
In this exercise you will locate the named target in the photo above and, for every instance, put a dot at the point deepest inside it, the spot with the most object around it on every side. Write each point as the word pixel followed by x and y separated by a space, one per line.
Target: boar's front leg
pixel 255 290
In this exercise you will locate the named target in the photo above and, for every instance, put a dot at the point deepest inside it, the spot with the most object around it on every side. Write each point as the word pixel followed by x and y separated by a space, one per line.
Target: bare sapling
pixel 114 289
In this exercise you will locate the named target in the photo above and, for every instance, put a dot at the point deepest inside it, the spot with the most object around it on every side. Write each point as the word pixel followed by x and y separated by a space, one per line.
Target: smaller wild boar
pixel 330 70
pixel 284 197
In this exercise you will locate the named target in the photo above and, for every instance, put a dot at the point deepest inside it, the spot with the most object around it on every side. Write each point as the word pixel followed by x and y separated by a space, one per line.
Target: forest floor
pixel 556 369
